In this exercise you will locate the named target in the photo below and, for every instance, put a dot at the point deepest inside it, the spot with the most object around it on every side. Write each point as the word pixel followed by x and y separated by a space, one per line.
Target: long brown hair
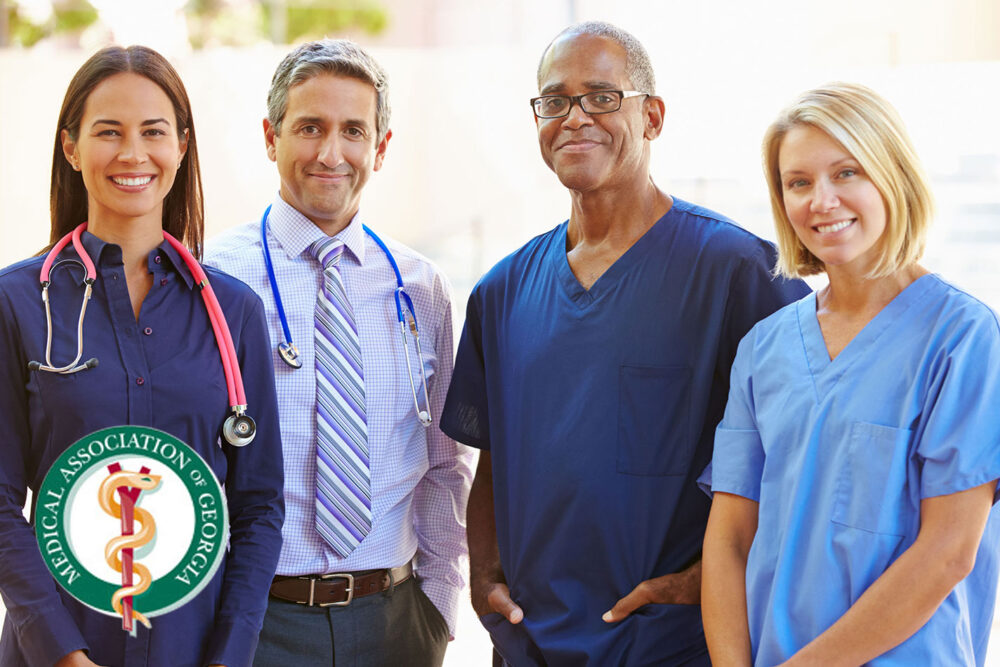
pixel 183 207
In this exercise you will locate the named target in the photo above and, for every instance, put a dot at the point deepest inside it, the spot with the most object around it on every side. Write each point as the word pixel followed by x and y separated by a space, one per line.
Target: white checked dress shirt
pixel 419 477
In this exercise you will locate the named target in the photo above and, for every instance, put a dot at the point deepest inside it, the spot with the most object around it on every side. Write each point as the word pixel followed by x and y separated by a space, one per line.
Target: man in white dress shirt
pixel 375 527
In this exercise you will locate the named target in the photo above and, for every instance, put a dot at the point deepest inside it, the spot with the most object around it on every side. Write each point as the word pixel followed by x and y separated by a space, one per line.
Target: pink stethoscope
pixel 239 428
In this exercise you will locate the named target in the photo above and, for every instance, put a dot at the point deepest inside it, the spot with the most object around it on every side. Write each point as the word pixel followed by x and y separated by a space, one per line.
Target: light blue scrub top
pixel 840 453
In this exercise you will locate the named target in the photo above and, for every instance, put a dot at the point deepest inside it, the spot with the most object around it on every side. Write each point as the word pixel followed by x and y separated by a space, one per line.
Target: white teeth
pixel 834 227
pixel 142 180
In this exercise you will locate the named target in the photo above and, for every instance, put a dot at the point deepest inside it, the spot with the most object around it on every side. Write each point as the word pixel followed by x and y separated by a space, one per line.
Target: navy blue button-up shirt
pixel 162 371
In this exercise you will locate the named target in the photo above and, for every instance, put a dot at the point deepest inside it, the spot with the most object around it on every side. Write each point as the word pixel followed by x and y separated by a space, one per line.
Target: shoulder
pixel 234 295
pixel 519 265
pixel 415 267
pixel 233 244
pixel 25 270
pixel 954 313
pixel 20 280
pixel 717 234
pixel 781 328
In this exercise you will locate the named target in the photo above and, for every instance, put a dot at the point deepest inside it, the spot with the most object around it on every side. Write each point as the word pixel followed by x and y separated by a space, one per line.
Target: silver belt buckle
pixel 347 576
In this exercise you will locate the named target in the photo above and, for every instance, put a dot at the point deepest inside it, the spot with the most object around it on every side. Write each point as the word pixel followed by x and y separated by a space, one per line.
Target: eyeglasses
pixel 597 102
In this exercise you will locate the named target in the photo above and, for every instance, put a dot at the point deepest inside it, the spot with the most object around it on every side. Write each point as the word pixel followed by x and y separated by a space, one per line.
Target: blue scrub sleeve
pixel 465 417
pixel 738 460
pixel 254 495
pixel 958 440
pixel 755 294
pixel 44 628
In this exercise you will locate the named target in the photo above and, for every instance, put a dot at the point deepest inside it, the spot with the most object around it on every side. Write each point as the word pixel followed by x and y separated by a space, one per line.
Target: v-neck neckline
pixel 826 371
pixel 608 280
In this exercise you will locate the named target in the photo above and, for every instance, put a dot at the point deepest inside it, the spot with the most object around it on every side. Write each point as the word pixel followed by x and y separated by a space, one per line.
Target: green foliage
pixel 67 17
pixel 73 16
pixel 22 31
pixel 310 20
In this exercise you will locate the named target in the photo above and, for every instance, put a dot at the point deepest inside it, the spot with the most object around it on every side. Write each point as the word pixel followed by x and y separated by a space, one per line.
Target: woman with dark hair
pixel 126 187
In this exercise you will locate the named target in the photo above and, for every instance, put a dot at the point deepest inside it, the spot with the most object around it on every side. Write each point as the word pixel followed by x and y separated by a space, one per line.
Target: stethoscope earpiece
pixel 239 430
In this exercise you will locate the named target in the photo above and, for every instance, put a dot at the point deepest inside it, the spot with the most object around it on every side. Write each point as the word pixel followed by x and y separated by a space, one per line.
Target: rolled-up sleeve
pixel 738 459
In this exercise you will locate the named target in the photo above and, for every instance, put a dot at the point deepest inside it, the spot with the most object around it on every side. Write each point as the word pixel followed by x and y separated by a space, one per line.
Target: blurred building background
pixel 463 182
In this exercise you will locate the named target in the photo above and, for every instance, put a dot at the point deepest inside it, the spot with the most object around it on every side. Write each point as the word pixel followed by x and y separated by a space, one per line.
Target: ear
pixel 654 110
pixel 270 139
pixel 183 147
pixel 69 147
pixel 380 151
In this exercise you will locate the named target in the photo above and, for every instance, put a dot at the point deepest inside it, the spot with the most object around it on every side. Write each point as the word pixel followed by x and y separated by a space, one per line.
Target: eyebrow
pixel 151 121
pixel 558 88
pixel 848 158
pixel 360 122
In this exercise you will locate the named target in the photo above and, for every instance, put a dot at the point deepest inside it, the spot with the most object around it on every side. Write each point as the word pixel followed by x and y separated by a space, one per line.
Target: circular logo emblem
pixel 131 522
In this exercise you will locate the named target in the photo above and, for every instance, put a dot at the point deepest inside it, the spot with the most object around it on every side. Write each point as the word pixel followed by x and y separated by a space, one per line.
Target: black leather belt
pixel 337 588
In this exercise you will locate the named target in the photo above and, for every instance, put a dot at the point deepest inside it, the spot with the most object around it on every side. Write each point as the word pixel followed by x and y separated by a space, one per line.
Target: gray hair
pixel 340 57
pixel 637 64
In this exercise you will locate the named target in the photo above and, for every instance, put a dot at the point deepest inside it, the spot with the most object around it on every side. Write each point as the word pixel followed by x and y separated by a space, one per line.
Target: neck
pixel 851 293
pixel 135 236
pixel 618 216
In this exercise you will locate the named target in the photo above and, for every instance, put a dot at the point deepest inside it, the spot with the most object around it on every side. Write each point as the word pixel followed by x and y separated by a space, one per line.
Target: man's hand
pixel 76 658
pixel 495 597
pixel 486 579
pixel 680 588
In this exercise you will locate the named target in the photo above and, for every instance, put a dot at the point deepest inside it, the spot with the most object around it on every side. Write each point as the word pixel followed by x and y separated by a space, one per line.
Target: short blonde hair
pixel 870 129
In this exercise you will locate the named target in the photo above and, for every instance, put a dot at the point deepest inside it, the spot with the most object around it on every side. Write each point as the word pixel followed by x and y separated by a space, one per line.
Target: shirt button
pixel 114 276
pixel 148 330
pixel 157 259
pixel 163 281
pixel 140 381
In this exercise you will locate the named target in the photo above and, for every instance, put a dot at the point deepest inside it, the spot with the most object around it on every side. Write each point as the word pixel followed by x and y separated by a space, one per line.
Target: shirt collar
pixel 103 253
pixel 295 232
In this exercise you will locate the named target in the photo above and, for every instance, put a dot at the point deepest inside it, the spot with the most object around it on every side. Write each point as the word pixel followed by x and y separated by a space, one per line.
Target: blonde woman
pixel 856 467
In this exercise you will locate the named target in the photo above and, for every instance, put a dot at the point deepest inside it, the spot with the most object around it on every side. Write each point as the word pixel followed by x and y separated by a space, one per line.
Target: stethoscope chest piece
pixel 289 354
pixel 239 429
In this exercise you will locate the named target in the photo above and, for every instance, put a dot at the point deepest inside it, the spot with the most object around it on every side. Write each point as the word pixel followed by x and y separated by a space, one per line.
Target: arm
pixel 440 497
pixel 254 494
pixel 487 581
pixel 44 629
pixel 732 525
pixel 682 587
pixel 908 593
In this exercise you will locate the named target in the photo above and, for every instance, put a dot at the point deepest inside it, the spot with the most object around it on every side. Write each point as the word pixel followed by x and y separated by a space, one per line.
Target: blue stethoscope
pixel 404 313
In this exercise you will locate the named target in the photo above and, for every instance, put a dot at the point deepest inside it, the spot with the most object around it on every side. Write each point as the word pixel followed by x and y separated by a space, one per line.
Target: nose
pixel 132 150
pixel 330 154
pixel 824 197
pixel 577 117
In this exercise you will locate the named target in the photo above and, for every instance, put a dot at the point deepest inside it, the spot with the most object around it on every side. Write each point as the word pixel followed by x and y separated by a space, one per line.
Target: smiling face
pixel 326 150
pixel 594 152
pixel 835 209
pixel 127 150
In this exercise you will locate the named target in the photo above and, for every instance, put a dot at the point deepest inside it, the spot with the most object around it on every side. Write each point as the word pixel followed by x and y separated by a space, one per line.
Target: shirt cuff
pixel 445 598
pixel 233 643
pixel 49 636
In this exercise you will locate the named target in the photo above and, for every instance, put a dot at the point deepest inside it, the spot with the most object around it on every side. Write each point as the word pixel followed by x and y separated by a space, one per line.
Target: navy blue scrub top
pixel 599 408
pixel 163 371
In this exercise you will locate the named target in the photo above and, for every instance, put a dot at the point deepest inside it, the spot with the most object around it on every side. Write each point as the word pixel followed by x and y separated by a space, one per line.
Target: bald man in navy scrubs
pixel 591 373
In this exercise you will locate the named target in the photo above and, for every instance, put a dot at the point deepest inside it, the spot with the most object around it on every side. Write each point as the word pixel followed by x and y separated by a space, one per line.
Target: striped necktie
pixel 343 469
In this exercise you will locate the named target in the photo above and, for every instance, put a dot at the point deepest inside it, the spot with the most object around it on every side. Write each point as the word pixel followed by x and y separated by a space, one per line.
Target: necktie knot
pixel 328 251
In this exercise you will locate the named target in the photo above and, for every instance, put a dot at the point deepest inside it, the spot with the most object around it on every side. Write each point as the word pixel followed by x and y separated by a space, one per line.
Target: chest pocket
pixel 871 484
pixel 654 434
